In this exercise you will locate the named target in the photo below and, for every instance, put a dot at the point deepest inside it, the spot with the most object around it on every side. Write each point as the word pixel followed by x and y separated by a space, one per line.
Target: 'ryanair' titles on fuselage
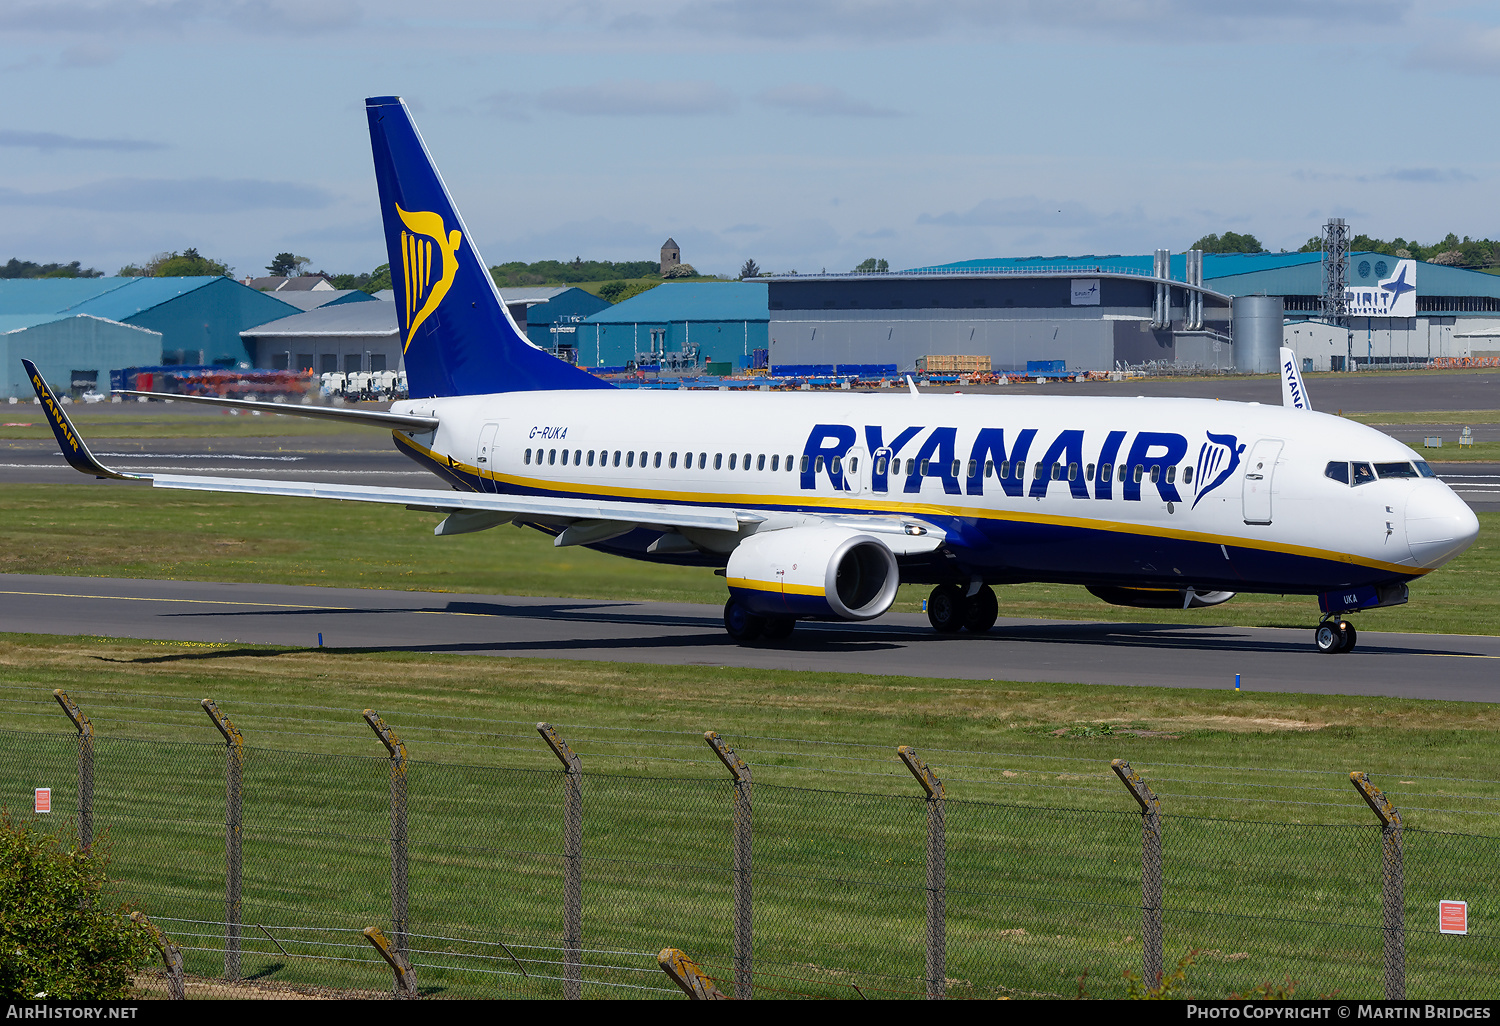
pixel 906 459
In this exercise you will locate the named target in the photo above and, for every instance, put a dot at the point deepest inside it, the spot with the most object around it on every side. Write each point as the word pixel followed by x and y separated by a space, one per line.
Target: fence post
pixel 233 835
pixel 695 983
pixel 937 873
pixel 85 768
pixel 171 954
pixel 1151 940
pixel 572 861
pixel 397 749
pixel 743 935
pixel 1393 891
pixel 406 977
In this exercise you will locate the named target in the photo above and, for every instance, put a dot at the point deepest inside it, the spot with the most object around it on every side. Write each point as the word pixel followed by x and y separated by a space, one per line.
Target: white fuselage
pixel 1186 477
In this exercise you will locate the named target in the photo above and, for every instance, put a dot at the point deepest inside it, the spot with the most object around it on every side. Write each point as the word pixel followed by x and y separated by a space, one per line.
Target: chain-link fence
pixel 561 863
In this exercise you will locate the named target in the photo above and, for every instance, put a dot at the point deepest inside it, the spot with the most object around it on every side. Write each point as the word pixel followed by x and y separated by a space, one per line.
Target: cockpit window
pixel 1362 474
pixel 1337 472
pixel 1395 470
pixel 1425 470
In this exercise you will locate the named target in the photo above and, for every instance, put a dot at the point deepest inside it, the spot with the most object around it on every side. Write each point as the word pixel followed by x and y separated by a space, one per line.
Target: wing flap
pixel 558 508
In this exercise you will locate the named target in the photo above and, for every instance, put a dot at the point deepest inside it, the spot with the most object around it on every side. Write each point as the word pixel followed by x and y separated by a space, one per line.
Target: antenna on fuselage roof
pixel 912 385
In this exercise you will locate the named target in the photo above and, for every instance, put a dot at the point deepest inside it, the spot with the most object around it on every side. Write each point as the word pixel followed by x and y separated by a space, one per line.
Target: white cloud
pixel 637 97
pixel 47 142
pixel 822 101
pixel 194 196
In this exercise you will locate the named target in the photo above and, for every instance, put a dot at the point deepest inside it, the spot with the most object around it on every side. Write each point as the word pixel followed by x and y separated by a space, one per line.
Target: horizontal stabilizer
pixel 370 418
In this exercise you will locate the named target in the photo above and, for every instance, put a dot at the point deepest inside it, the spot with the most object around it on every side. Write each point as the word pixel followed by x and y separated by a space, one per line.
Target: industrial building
pixel 678 326
pixel 340 337
pixel 73 352
pixel 1093 313
pixel 550 314
pixel 198 319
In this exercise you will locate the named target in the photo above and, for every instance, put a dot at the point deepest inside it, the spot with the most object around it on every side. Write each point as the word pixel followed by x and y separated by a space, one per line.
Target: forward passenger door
pixel 1259 469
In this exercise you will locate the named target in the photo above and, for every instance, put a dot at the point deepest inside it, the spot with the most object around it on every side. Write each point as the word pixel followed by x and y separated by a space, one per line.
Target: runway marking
pixel 202 602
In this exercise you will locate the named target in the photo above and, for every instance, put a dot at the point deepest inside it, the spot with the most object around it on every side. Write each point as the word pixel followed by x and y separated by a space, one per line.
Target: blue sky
pixel 805 134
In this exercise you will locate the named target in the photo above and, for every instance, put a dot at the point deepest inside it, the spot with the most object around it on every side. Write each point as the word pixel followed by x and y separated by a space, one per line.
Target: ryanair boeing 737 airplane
pixel 816 506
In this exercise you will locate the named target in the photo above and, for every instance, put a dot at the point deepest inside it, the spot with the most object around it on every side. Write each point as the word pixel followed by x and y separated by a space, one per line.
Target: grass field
pixel 1270 871
pixel 111 530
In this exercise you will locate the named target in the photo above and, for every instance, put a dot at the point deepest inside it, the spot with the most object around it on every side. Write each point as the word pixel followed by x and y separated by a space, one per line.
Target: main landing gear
pixel 1335 636
pixel 745 627
pixel 949 610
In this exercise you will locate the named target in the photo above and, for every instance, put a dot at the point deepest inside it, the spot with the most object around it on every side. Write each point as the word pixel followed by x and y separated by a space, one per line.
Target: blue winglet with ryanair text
pixel 457 337
pixel 74 449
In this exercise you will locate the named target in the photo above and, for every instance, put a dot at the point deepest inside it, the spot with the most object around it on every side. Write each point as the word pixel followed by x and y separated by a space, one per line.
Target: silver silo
pixel 1257 333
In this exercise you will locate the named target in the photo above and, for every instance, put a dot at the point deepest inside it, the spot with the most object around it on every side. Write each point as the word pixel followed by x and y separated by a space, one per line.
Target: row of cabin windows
pixel 1055 471
pixel 603 458
pixel 923 468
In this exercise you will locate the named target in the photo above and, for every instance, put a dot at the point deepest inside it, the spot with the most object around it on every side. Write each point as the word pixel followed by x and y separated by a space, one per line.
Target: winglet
pixel 1293 392
pixel 74 449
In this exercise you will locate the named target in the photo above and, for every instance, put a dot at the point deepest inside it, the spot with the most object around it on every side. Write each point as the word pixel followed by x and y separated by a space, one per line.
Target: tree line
pixel 1474 254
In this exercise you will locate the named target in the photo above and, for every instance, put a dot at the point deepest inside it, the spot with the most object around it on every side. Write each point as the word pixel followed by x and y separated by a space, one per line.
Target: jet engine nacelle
pixel 1160 598
pixel 823 572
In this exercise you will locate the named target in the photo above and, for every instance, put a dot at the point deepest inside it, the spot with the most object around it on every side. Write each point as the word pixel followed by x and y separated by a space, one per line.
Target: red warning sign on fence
pixel 44 799
pixel 1453 917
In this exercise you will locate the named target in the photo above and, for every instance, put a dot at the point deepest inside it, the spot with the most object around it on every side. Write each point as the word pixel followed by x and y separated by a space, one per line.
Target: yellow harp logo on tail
pixel 423 293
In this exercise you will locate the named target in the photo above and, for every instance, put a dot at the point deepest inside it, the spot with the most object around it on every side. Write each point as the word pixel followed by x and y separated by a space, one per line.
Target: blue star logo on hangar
pixel 1399 287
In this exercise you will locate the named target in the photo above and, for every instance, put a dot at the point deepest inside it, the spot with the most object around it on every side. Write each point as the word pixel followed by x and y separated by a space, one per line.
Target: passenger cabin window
pixel 528 457
pixel 1187 475
pixel 989 468
pixel 789 463
pixel 1360 473
pixel 818 465
pixel 1172 475
pixel 551 457
pixel 672 461
pixel 702 460
pixel 1140 472
pixel 1155 472
pixel 732 457
pixel 804 464
pixel 774 460
pixel 1386 470
pixel 1004 469
pixel 760 462
pixel 657 461
pixel 565 458
pixel 617 457
pixel 836 465
pixel 746 462
pixel 1337 472
pixel 719 460
pixel 1105 471
pixel 1088 472
pixel 1072 472
pixel 1123 469
pixel 630 458
pixel 591 457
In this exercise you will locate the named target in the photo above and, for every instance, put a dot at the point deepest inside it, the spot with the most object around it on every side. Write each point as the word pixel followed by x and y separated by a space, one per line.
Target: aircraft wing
pixel 373 418
pixel 525 507
pixel 499 507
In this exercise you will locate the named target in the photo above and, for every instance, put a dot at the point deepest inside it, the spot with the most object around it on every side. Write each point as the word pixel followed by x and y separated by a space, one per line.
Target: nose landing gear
pixel 950 611
pixel 1335 636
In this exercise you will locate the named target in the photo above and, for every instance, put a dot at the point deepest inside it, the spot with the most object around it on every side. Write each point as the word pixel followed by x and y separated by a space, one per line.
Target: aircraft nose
pixel 1439 525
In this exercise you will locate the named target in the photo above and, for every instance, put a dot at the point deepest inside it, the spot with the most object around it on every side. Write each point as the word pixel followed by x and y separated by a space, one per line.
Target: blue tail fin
pixel 455 331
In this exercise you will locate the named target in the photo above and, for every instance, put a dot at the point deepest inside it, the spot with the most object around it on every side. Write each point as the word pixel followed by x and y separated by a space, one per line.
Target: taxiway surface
pixel 1436 666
